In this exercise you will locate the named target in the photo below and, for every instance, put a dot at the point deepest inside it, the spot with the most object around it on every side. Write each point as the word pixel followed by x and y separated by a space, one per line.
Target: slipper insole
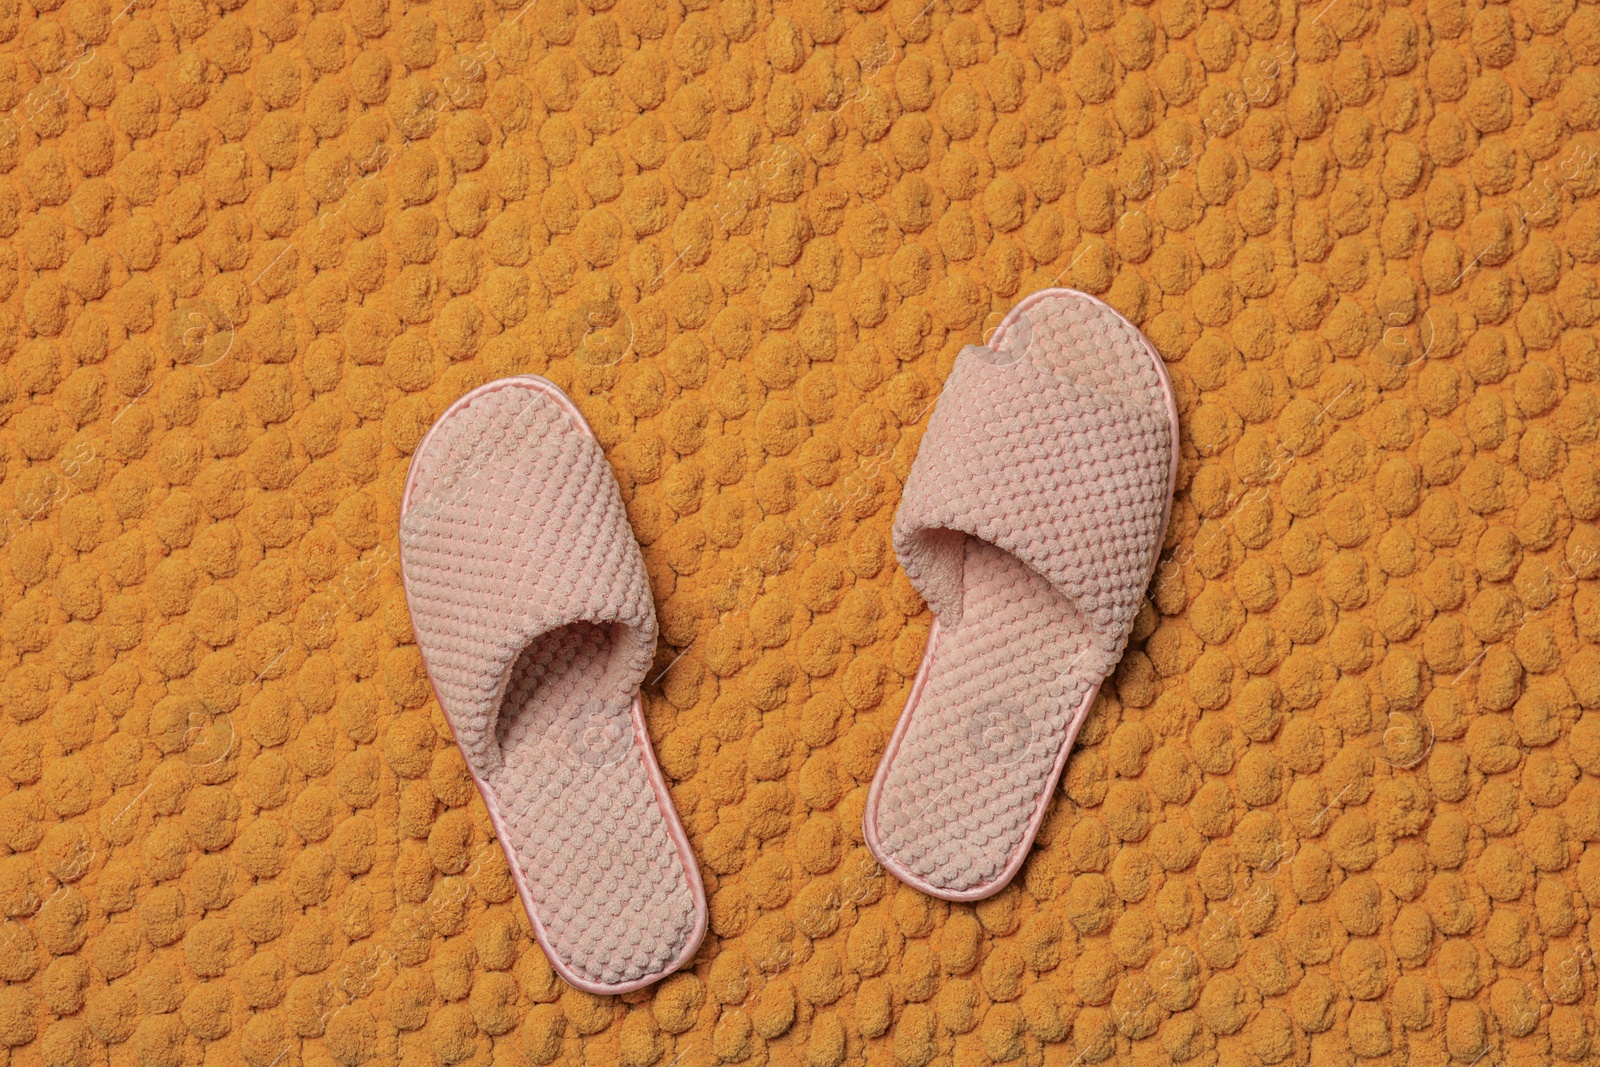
pixel 590 835
pixel 1004 684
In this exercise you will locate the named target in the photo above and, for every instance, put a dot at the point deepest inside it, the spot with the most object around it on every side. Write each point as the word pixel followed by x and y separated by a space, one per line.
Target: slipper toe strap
pixel 1067 475
pixel 516 527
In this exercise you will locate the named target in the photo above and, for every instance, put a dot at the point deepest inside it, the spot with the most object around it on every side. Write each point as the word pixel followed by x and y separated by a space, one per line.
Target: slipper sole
pixel 641 742
pixel 875 794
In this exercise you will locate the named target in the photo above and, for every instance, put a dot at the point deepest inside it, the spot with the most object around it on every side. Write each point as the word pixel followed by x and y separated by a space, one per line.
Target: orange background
pixel 1336 804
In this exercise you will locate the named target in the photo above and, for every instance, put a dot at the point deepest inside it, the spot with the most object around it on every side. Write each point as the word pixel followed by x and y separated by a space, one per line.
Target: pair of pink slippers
pixel 1031 524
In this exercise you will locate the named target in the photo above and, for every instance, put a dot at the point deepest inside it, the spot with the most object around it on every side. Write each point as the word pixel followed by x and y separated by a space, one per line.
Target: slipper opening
pixel 579 680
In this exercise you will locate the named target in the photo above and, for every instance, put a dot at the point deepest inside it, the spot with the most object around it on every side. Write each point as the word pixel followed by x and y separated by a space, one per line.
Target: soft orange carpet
pixel 1336 806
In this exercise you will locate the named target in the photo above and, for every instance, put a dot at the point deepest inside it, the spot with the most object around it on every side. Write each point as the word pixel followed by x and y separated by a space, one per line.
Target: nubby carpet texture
pixel 1336 805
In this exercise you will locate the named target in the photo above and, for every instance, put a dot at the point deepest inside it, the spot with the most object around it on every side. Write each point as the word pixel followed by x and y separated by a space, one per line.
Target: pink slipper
pixel 532 611
pixel 1031 524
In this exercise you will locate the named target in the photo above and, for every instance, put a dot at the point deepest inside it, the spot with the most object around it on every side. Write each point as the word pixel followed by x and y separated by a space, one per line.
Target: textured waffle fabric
pixel 532 610
pixel 1029 523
